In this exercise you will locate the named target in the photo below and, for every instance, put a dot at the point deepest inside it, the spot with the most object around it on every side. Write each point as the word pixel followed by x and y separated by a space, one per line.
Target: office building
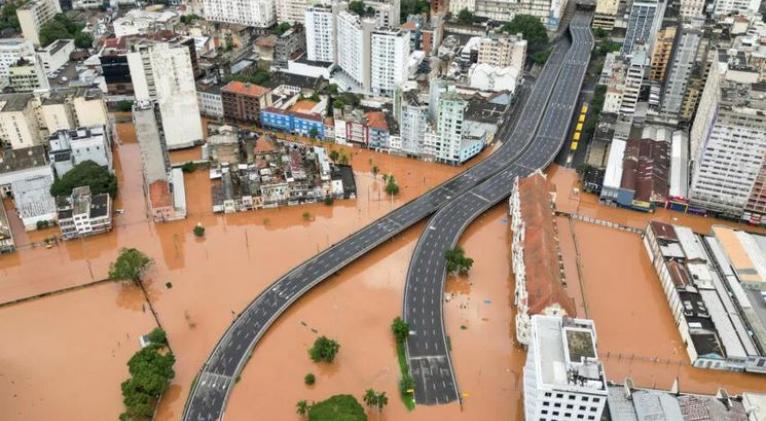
pixel 11 51
pixel 563 378
pixel 634 78
pixel 320 33
pixel 163 72
pixel 390 53
pixel 728 145
pixel 644 22
pixel 257 13
pixel 33 15
pixel 606 14
pixel 83 214
pixel 72 147
pixel 663 48
pixel 680 70
pixel 353 37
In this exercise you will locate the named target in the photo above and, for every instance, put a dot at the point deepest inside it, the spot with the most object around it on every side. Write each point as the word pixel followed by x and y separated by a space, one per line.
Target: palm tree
pixel 381 401
pixel 302 407
pixel 370 398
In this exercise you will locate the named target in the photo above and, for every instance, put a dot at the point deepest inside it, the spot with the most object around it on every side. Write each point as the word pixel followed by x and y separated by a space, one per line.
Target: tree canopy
pixel 259 77
pixel 457 260
pixel 337 408
pixel 281 28
pixel 531 29
pixel 465 17
pixel 62 27
pixel 87 173
pixel 324 349
pixel 358 7
pixel 8 18
pixel 130 264
pixel 151 370
pixel 400 329
pixel 413 7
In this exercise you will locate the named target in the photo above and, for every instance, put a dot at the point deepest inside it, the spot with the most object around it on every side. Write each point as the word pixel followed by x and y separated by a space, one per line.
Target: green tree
pixel 457 260
pixel 381 401
pixel 188 19
pixel 329 200
pixel 400 329
pixel 531 29
pixel 309 379
pixel 413 7
pixel 158 337
pixel 83 40
pixel 465 17
pixel 324 350
pixel 370 398
pixel 314 132
pixel 302 408
pixel 375 170
pixel 52 31
pixel 337 408
pixel 151 370
pixel 8 17
pixel 406 384
pixel 334 155
pixel 125 106
pixel 130 265
pixel 357 7
pixel 391 187
pixel 199 230
pixel 540 57
pixel 281 28
pixel 86 173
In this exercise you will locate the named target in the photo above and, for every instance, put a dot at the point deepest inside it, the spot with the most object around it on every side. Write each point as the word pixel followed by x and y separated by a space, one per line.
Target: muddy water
pixel 488 367
pixel 65 355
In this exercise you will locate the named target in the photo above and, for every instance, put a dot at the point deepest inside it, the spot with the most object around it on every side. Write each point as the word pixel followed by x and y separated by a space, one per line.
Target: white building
pixel 390 53
pixel 728 146
pixel 138 22
pixel 292 11
pixel 55 55
pixel 634 77
pixel 486 77
pixel 413 124
pixel 28 75
pixel 83 214
pixel 33 200
pixel 691 9
pixel 19 126
pixel 644 21
pixel 353 35
pixel 257 13
pixel 210 101
pixel 163 73
pixel 453 143
pixel 72 147
pixel 455 6
pixel 11 50
pixel 725 7
pixel 33 15
pixel 563 377
pixel 320 33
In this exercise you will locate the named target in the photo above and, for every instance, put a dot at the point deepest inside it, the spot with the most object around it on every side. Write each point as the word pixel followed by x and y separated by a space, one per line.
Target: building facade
pixel 11 50
pixel 390 52
pixel 680 70
pixel 644 22
pixel 320 33
pixel 83 214
pixel 506 51
pixel 353 36
pixel 28 75
pixel 244 101
pixel 72 147
pixel 257 13
pixel 33 15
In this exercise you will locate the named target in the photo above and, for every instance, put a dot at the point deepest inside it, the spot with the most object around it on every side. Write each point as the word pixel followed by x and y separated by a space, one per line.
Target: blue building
pixel 292 122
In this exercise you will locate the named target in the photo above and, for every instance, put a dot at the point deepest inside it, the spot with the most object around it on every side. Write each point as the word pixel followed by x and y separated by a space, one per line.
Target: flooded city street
pixel 81 340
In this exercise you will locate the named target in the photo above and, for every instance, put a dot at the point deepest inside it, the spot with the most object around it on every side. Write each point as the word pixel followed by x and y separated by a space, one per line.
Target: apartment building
pixel 563 377
pixel 163 72
pixel 19 126
pixel 499 10
pixel 413 124
pixel 55 55
pixel 33 15
pixel 83 214
pixel 454 142
pixel 244 101
pixel 727 7
pixel 390 51
pixel 289 46
pixel 504 51
pixel 210 101
pixel 292 11
pixel 257 13
pixel 728 145
pixel 644 21
pixel 320 33
pixel 606 14
pixel 353 38
pixel 663 49
pixel 691 9
pixel 11 51
pixel 28 75
pixel 634 77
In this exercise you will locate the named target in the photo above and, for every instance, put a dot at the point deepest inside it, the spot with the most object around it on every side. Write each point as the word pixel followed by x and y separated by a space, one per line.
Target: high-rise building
pixel 728 144
pixel 257 13
pixel 691 9
pixel 634 77
pixel 390 51
pixel 33 15
pixel 353 36
pixel 11 50
pixel 507 51
pixel 292 11
pixel 563 377
pixel 663 48
pixel 455 6
pixel 163 73
pixel 28 75
pixel 320 33
pixel 726 7
pixel 680 68
pixel 413 125
pixel 606 12
pixel 644 22
pixel 387 12
pixel 500 10
pixel 453 143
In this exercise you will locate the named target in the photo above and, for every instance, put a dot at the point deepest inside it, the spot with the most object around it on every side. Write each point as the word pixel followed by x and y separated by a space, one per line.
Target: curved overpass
pixel 427 351
pixel 207 399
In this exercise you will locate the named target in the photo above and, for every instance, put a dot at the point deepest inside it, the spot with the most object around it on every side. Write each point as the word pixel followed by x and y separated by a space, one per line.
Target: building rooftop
pixel 14 102
pixel 303 106
pixel 376 120
pixel 21 159
pixel 242 88
pixel 159 194
pixel 32 196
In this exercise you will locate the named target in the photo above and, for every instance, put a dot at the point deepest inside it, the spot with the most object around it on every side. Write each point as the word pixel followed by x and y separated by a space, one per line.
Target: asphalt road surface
pixel 427 350
pixel 207 400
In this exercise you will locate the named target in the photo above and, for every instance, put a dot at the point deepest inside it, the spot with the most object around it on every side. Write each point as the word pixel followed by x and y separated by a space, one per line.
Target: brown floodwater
pixel 65 356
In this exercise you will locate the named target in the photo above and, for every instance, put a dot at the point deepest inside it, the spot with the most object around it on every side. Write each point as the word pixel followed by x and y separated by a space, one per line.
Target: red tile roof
pixel 376 120
pixel 242 88
pixel 545 285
